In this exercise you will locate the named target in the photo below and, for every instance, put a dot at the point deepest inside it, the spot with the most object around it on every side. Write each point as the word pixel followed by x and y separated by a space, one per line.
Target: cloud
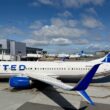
pixel 91 22
pixel 59 28
pixel 33 42
pixel 64 31
pixel 12 30
pixel 54 31
pixel 60 41
pixel 58 32
pixel 94 2
pixel 91 10
pixel 53 41
pixel 70 3
pixel 47 2
pixel 81 41
pixel 64 22
pixel 36 25
pixel 65 14
pixel 93 47
pixel 34 4
pixel 97 47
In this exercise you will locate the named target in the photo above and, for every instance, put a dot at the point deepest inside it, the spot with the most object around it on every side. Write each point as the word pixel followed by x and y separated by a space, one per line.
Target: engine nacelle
pixel 20 82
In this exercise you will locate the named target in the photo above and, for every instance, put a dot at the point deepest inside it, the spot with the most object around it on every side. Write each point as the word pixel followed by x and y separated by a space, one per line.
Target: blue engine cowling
pixel 19 82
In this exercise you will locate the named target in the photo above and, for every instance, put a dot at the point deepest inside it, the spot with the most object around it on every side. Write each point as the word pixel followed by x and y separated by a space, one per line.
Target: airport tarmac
pixel 43 97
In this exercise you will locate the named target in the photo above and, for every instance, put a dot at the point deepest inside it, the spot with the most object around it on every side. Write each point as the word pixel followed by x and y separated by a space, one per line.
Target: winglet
pixel 84 82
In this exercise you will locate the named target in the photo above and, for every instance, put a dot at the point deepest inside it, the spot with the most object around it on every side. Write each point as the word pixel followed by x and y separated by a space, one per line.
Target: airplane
pixel 51 55
pixel 49 72
pixel 74 56
pixel 82 54
pixel 67 56
pixel 63 55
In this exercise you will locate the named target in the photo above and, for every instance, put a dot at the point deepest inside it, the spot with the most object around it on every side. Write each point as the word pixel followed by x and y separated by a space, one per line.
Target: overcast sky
pixel 57 25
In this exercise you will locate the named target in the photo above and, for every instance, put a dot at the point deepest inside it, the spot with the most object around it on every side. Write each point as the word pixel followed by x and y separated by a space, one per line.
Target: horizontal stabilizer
pixel 84 82
pixel 86 97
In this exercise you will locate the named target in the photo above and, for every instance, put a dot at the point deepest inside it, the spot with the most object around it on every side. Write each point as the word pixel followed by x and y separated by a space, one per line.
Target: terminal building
pixel 11 50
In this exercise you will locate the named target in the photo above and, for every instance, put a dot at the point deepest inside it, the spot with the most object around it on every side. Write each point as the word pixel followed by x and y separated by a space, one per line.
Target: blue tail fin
pixel 107 58
pixel 84 82
pixel 86 97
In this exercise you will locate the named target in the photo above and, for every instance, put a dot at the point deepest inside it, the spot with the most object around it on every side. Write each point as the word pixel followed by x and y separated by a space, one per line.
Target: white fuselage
pixel 55 68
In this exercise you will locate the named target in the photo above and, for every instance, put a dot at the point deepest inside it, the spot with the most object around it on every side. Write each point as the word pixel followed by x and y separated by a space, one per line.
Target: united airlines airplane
pixel 50 72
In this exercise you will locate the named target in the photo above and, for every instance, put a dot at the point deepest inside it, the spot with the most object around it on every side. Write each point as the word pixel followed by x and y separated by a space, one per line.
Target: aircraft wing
pixel 50 80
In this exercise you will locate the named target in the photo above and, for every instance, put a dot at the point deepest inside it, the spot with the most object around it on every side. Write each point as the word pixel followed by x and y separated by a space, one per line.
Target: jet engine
pixel 20 82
